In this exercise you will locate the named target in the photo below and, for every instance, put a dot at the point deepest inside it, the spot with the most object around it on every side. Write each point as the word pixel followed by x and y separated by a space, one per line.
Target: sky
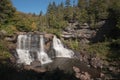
pixel 34 6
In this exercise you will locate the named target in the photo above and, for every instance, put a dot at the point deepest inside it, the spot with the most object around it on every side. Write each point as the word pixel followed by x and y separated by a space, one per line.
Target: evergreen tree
pixel 67 3
pixel 6 11
pixel 68 13
pixel 51 14
pixel 82 4
pixel 41 13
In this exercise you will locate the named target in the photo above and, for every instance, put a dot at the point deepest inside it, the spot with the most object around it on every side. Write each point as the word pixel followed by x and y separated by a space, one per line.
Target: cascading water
pixel 30 47
pixel 23 51
pixel 60 50
pixel 42 56
pixel 29 44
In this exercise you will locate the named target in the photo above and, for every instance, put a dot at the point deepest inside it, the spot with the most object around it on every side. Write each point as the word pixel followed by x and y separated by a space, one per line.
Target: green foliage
pixel 10 29
pixel 24 22
pixel 115 50
pixel 6 11
pixel 86 11
pixel 57 32
pixel 73 44
pixel 83 17
pixel 118 23
pixel 116 44
pixel 114 16
pixel 114 10
pixel 4 53
pixel 82 4
pixel 68 15
pixel 57 17
pixel 101 49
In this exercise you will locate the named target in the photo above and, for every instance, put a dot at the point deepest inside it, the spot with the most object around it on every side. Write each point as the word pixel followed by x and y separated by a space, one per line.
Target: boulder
pixel 48 36
pixel 84 26
pixel 3 33
pixel 11 39
pixel 36 69
pixel 35 63
pixel 81 75
pixel 76 69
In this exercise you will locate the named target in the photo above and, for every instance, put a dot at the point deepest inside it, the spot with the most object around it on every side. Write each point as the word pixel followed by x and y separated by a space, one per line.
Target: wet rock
pixel 76 69
pixel 48 36
pixel 47 45
pixel 102 75
pixel 85 76
pixel 36 69
pixel 12 59
pixel 39 69
pixel 35 63
pixel 81 75
pixel 77 75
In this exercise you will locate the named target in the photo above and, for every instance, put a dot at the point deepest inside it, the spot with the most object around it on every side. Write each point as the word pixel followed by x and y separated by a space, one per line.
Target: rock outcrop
pixel 91 60
pixel 81 32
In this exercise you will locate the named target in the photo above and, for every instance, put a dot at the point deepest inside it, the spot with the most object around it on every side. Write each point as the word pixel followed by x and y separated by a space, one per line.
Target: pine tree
pixel 68 15
pixel 6 11
pixel 67 3
pixel 41 13
pixel 51 14
pixel 82 4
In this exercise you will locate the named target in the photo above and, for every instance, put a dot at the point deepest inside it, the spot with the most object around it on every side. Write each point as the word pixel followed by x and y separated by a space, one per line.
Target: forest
pixel 58 17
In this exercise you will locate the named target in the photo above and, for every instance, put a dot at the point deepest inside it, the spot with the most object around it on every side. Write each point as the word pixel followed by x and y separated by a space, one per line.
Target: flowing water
pixel 30 49
pixel 31 45
pixel 42 56
pixel 23 51
pixel 60 50
pixel 28 45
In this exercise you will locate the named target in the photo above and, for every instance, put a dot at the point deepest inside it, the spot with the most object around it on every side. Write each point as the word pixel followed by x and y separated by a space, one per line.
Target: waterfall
pixel 22 51
pixel 60 50
pixel 28 45
pixel 30 48
pixel 42 56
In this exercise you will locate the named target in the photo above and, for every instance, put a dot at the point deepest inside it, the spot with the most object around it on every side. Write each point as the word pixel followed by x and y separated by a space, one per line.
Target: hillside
pixel 83 28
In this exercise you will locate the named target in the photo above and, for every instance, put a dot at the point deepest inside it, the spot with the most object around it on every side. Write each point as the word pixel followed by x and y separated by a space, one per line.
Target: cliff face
pixel 81 32
pixel 85 34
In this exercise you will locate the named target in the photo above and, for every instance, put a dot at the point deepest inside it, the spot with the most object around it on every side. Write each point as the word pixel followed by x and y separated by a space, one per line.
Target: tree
pixel 6 11
pixel 99 9
pixel 51 14
pixel 41 13
pixel 114 15
pixel 82 4
pixel 68 11
pixel 67 3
